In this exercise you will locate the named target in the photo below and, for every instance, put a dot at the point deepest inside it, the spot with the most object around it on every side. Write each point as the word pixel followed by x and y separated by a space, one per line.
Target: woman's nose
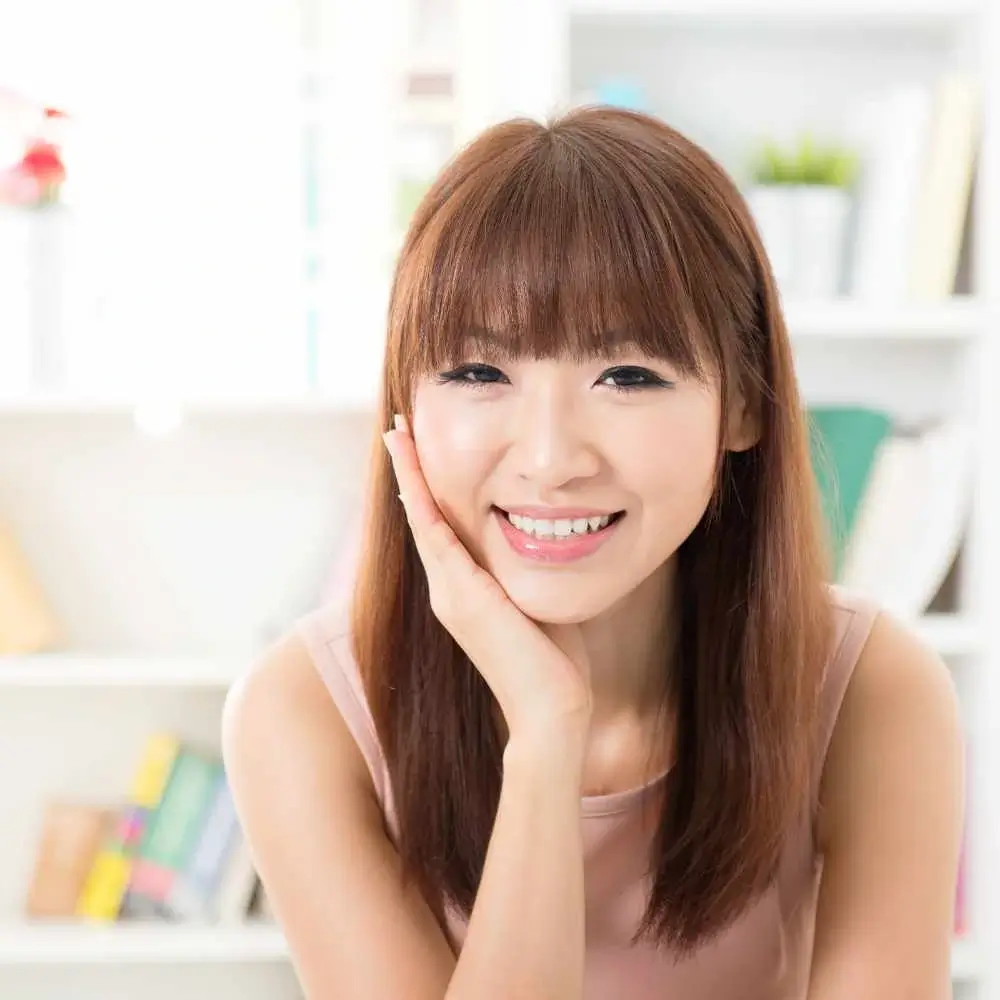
pixel 553 442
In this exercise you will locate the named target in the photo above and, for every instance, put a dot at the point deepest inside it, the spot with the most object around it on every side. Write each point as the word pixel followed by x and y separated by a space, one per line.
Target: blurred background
pixel 200 205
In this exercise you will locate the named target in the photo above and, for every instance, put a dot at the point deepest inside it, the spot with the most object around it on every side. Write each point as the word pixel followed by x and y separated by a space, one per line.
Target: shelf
pixel 959 319
pixel 965 965
pixel 949 635
pixel 81 670
pixel 121 944
pixel 855 13
pixel 227 405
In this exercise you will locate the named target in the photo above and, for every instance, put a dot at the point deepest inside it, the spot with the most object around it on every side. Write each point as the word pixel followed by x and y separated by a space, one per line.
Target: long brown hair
pixel 555 234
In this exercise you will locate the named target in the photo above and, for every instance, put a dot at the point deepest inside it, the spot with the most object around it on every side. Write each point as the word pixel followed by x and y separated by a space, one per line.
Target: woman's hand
pixel 538 674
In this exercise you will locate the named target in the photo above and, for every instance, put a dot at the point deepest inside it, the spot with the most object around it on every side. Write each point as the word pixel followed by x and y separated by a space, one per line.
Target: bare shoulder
pixel 901 699
pixel 890 825
pixel 314 825
pixel 901 680
pixel 280 710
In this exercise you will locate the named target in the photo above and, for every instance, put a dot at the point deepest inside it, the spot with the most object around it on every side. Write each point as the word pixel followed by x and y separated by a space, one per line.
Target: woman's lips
pixel 556 550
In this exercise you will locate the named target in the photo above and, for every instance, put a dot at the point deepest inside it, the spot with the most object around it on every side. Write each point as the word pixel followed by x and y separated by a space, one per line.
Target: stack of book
pixel 172 851
pixel 896 501
pixel 920 144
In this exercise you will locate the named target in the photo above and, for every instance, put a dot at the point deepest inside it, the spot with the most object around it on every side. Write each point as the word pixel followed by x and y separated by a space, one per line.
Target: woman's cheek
pixel 453 444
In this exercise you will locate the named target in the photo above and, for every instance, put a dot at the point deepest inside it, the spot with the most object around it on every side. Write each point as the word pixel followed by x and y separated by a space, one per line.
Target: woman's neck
pixel 630 649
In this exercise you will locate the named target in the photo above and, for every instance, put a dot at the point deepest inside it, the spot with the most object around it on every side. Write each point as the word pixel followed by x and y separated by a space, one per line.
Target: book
pixel 171 835
pixel 71 836
pixel 893 132
pixel 262 907
pixel 912 518
pixel 238 885
pixel 886 521
pixel 945 187
pixel 103 892
pixel 195 890
pixel 844 445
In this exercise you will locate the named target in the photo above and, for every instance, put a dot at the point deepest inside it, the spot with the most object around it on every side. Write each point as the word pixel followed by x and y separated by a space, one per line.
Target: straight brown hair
pixel 553 235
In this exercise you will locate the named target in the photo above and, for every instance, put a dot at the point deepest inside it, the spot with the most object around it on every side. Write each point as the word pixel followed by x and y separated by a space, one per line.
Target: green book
pixel 844 444
pixel 172 834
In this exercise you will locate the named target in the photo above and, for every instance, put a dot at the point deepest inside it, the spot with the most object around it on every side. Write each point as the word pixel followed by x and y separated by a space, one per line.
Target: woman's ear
pixel 743 424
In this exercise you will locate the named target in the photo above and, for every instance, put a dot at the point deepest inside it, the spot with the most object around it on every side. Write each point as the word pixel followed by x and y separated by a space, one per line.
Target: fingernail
pixel 397 422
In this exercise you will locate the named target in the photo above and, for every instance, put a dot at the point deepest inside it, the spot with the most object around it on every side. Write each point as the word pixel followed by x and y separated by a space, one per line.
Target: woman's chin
pixel 555 606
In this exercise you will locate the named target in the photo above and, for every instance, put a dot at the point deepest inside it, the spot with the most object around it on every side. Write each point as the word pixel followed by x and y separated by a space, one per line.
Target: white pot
pixel 773 209
pixel 822 215
pixel 804 230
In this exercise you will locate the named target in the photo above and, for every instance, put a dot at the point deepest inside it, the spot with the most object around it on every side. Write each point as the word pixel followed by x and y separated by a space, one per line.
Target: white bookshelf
pixel 957 323
pixel 78 670
pixel 140 944
pixel 173 557
pixel 951 635
pixel 885 13
pixel 71 945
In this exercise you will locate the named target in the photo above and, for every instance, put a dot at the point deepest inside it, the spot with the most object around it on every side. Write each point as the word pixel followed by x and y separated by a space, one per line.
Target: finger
pixel 436 542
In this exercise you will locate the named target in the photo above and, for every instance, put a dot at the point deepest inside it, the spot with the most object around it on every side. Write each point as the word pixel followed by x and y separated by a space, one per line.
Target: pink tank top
pixel 764 955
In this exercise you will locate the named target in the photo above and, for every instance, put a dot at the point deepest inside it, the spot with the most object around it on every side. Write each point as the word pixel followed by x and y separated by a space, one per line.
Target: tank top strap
pixel 854 616
pixel 325 632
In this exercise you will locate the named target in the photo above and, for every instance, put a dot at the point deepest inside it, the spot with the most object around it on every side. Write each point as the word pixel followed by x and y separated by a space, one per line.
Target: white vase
pixel 804 231
pixel 822 215
pixel 773 209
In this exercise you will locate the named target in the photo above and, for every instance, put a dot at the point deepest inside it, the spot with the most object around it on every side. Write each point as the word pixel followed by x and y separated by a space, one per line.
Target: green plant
pixel 806 162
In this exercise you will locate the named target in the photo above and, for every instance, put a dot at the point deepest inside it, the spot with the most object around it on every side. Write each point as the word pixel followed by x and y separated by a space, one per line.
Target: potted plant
pixel 801 198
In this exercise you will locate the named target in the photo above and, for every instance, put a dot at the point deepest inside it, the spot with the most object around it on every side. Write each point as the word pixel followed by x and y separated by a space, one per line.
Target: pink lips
pixel 556 550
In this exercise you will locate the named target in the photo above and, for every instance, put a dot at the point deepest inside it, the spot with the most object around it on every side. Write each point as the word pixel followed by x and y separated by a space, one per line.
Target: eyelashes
pixel 634 378
pixel 628 378
pixel 472 376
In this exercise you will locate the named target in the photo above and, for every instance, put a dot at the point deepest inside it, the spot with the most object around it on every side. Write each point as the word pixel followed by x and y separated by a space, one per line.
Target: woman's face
pixel 562 442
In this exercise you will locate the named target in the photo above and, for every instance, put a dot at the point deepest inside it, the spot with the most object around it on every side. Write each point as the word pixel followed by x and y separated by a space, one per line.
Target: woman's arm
pixel 890 830
pixel 308 807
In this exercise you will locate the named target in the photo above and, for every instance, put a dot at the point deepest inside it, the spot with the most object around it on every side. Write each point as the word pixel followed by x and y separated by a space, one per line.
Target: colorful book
pixel 193 894
pixel 844 443
pixel 104 889
pixel 171 835
pixel 72 834
pixel 912 518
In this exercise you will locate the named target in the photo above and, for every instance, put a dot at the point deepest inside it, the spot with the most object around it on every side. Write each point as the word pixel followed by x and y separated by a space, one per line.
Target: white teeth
pixel 562 527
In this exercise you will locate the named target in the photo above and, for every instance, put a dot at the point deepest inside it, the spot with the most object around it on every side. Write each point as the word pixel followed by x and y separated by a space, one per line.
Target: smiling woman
pixel 593 723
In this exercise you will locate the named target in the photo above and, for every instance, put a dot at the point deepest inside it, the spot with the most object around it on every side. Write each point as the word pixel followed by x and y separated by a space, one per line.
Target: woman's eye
pixel 628 378
pixel 476 376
